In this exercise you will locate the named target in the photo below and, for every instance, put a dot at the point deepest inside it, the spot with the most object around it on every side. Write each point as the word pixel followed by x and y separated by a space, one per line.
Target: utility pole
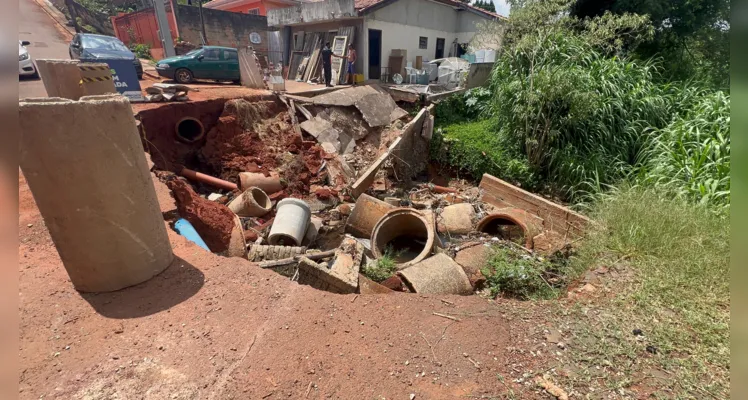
pixel 202 23
pixel 163 28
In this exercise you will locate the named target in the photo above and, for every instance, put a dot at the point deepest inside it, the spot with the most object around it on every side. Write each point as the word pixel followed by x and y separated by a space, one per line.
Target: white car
pixel 26 65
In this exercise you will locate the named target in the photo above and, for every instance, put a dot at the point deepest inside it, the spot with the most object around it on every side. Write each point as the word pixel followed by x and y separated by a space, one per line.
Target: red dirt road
pixel 220 328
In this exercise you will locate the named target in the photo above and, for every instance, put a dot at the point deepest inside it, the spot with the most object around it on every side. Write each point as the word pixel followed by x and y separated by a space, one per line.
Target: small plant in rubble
pixel 513 272
pixel 384 267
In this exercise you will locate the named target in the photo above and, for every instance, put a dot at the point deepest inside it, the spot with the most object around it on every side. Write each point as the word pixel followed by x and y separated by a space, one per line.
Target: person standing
pixel 350 69
pixel 327 63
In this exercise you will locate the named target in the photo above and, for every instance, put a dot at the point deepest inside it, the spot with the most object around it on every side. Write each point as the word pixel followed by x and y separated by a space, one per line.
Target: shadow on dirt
pixel 180 281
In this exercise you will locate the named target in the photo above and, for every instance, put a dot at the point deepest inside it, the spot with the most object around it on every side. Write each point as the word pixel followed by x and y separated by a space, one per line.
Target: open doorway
pixel 439 48
pixel 375 53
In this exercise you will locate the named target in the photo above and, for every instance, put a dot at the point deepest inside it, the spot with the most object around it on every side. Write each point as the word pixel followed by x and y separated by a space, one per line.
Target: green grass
pixel 676 255
pixel 514 272
pixel 382 268
pixel 478 148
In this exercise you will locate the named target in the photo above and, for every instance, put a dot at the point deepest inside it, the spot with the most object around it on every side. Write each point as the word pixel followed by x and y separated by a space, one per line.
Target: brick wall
pixel 222 28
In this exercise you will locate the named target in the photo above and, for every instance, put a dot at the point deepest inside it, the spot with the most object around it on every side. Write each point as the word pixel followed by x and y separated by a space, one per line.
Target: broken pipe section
pixel 90 180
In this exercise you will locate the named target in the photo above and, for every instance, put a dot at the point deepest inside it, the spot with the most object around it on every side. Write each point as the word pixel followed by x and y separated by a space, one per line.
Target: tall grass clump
pixel 577 115
pixel 690 157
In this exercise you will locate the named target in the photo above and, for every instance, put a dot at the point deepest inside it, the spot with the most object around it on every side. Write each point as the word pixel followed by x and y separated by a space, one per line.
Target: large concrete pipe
pixel 511 224
pixel 189 130
pixel 86 168
pixel 407 232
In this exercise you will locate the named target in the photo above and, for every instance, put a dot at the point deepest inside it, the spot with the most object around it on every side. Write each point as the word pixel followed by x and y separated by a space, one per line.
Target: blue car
pixel 88 47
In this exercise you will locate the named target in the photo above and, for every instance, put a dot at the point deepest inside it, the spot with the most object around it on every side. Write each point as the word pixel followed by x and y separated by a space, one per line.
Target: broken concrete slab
pixel 377 108
pixel 456 219
pixel 548 242
pixel 365 215
pixel 368 286
pixel 375 104
pixel 473 257
pixel 249 69
pixel 436 275
pixel 342 276
pixel 327 136
pixel 412 154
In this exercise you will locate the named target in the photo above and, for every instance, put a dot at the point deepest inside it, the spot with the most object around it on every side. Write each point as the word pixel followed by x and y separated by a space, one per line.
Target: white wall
pixel 420 13
pixel 403 22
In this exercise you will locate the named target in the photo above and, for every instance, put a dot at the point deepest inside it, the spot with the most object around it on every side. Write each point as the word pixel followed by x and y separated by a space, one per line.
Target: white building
pixel 431 29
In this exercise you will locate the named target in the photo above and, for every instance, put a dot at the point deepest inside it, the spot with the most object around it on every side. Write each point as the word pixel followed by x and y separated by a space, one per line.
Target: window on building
pixel 423 42
pixel 230 55
pixel 212 54
pixel 253 11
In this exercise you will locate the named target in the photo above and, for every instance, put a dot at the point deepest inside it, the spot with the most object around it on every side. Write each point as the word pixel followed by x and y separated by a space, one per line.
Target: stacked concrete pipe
pixel 86 168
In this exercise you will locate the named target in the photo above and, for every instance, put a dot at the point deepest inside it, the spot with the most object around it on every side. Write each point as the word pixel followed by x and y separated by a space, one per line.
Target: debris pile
pixel 335 192
pixel 167 92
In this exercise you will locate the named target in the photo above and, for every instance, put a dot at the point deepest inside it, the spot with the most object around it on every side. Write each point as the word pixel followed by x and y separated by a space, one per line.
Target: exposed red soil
pixel 213 221
pixel 211 327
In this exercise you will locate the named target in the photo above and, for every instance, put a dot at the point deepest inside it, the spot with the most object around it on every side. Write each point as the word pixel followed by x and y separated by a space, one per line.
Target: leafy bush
pixel 477 148
pixel 578 117
pixel 513 272
pixel 141 50
pixel 469 106
pixel 691 156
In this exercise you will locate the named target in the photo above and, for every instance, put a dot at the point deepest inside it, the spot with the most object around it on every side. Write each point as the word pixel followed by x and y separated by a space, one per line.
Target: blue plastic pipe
pixel 186 229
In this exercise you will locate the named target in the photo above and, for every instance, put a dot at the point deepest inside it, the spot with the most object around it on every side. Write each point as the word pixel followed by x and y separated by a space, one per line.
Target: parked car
pixel 26 65
pixel 88 47
pixel 208 62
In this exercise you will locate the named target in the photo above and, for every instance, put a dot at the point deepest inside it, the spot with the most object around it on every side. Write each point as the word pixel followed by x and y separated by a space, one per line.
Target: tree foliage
pixel 485 5
pixel 691 36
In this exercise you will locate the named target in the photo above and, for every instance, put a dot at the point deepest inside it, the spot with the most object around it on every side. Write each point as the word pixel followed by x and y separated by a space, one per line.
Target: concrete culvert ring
pixel 253 202
pixel 509 225
pixel 407 233
pixel 189 130
pixel 260 198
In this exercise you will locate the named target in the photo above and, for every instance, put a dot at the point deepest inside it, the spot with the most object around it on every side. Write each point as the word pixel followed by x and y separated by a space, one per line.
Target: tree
pixel 691 37
pixel 485 5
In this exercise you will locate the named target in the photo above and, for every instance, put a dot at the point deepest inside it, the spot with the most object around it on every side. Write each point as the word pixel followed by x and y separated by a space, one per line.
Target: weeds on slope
pixel 678 256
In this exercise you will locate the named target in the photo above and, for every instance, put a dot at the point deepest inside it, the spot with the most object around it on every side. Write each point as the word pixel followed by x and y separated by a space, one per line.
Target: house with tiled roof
pixel 421 30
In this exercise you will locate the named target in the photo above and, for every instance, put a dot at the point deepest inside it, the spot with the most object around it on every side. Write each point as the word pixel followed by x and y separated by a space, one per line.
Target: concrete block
pixel 61 78
pixel 457 219
pixel 342 276
pixel 436 275
pixel 473 259
pixel 86 168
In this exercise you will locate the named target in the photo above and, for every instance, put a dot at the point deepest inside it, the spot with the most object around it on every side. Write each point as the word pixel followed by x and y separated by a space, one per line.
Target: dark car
pixel 208 62
pixel 91 48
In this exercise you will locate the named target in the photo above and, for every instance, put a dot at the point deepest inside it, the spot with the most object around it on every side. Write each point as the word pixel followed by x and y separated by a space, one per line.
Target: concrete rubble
pixel 347 186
